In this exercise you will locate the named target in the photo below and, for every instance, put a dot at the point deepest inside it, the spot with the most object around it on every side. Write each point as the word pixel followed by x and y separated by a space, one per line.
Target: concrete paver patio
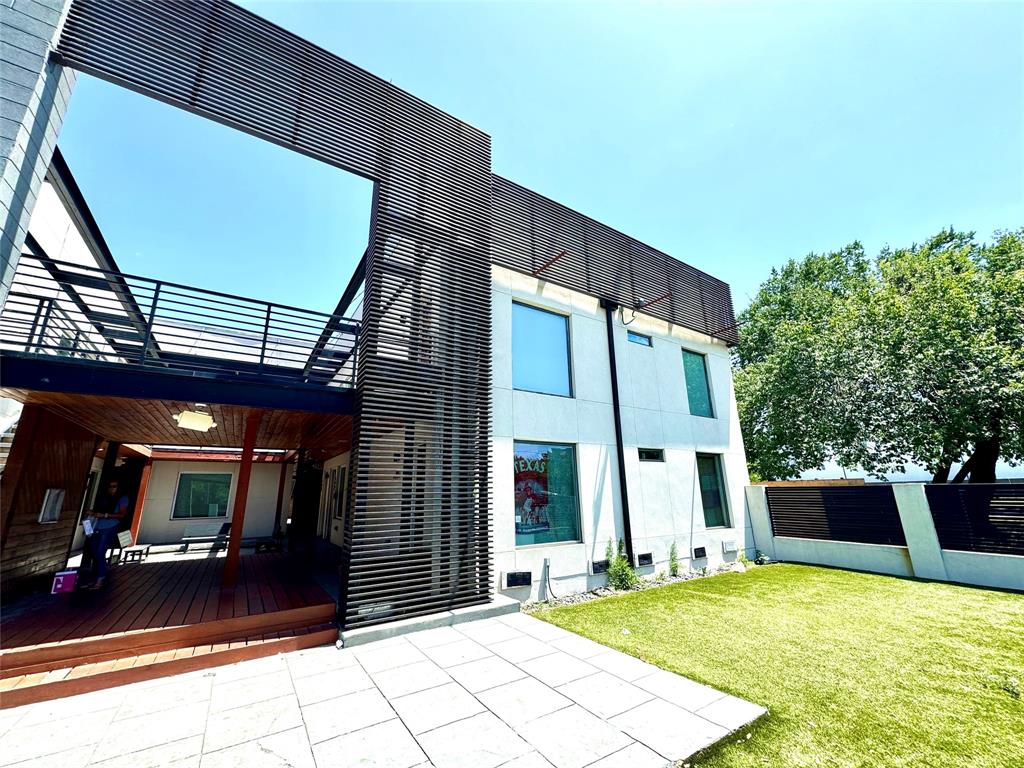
pixel 511 691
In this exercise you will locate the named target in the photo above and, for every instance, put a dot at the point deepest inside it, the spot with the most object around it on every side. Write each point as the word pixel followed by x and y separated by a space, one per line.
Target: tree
pixel 916 357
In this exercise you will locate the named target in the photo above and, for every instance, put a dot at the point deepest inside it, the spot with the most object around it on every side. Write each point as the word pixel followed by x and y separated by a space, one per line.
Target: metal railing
pixel 78 311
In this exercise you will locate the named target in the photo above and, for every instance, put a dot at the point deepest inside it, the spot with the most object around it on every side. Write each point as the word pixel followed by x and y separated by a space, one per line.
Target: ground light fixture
pixel 195 420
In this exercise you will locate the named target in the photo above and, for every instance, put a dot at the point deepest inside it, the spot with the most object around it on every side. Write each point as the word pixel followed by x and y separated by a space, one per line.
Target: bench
pixel 214 534
pixel 127 551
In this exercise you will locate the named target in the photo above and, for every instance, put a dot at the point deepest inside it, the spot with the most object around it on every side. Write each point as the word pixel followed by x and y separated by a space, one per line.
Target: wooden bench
pixel 214 534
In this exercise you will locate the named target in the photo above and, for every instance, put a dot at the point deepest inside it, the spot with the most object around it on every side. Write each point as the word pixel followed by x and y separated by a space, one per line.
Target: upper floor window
pixel 712 490
pixel 698 391
pixel 540 351
pixel 638 338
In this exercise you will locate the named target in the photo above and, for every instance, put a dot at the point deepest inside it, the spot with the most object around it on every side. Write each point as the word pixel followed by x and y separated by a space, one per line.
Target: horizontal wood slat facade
pixel 48 452
pixel 419 539
pixel 865 514
pixel 529 230
pixel 978 518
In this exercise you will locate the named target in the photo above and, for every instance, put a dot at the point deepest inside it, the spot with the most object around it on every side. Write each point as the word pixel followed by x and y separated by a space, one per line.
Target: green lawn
pixel 855 669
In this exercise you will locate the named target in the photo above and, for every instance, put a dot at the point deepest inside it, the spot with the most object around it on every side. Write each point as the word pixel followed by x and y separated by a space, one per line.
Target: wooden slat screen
pixel 864 514
pixel 418 540
pixel 529 230
pixel 978 518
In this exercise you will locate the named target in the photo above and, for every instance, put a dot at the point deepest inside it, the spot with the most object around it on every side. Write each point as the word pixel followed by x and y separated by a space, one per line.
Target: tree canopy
pixel 915 356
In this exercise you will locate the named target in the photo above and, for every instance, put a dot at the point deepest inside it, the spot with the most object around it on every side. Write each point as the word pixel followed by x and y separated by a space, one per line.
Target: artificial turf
pixel 855 669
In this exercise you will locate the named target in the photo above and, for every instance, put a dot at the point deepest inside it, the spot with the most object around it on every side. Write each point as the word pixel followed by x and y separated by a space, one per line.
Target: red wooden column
pixel 140 499
pixel 252 427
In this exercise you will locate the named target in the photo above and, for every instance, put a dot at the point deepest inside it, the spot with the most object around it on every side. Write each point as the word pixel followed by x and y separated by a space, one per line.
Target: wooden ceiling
pixel 151 422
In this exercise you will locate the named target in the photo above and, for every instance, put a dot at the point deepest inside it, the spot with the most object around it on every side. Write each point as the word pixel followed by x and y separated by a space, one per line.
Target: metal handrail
pixel 126 319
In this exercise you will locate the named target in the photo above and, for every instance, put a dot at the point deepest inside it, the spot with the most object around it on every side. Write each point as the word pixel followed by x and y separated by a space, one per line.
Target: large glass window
pixel 540 351
pixel 201 494
pixel 698 392
pixel 712 490
pixel 546 495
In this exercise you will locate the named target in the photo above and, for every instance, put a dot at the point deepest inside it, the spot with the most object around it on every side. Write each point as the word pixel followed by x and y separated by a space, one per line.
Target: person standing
pixel 109 510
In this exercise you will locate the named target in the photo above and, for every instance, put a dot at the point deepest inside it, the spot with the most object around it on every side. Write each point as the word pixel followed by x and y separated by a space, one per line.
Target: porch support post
pixel 109 464
pixel 140 500
pixel 252 427
pixel 280 497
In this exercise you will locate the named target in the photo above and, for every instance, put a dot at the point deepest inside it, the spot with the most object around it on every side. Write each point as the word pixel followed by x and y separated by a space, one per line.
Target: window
pixel 540 351
pixel 651 454
pixel 638 338
pixel 53 503
pixel 698 393
pixel 546 499
pixel 201 494
pixel 712 490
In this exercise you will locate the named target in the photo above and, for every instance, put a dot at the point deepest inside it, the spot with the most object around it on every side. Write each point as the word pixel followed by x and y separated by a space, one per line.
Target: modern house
pixel 505 387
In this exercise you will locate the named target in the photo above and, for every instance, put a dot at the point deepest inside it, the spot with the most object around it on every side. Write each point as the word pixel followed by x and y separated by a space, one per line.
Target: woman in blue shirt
pixel 110 509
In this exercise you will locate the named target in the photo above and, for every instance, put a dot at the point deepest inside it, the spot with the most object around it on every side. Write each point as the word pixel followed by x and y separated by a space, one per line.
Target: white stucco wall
pixel 875 558
pixel 664 499
pixel 985 569
pixel 336 528
pixel 157 527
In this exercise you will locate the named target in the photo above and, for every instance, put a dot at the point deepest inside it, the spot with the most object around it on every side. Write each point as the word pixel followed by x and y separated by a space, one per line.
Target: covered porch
pixel 186 379
pixel 158 618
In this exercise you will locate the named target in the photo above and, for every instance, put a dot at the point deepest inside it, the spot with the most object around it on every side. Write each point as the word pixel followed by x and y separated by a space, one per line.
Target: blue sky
pixel 733 136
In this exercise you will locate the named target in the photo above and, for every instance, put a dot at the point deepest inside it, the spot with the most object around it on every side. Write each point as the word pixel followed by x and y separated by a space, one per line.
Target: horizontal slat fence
pixel 978 518
pixel 865 514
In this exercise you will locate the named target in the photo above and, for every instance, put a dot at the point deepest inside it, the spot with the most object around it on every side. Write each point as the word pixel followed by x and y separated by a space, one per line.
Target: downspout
pixel 627 529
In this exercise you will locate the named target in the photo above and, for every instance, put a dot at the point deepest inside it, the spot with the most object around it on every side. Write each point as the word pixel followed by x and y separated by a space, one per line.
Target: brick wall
pixel 48 452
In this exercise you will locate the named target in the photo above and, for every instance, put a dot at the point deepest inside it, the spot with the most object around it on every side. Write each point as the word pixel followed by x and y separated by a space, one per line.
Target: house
pixel 506 384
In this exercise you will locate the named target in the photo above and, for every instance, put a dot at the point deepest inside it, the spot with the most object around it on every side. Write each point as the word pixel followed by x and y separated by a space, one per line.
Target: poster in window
pixel 531 489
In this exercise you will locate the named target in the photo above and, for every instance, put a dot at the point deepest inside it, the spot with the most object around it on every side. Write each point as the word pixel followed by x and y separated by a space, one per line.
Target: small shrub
pixel 673 560
pixel 621 575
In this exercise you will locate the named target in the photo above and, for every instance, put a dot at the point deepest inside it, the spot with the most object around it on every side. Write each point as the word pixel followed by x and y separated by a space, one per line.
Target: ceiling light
pixel 200 422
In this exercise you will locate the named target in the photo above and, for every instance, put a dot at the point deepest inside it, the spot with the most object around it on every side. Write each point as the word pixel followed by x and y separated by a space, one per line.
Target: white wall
pixel 664 500
pixel 337 528
pixel 922 557
pixel 985 569
pixel 157 527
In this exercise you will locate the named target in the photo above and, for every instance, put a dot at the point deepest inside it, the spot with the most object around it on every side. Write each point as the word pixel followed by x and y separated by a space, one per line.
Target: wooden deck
pixel 158 618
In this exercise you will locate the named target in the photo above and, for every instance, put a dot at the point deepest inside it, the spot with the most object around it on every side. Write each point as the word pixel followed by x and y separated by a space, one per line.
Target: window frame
pixel 659 451
pixel 567 317
pixel 707 385
pixel 722 490
pixel 232 476
pixel 640 339
pixel 57 495
pixel 579 509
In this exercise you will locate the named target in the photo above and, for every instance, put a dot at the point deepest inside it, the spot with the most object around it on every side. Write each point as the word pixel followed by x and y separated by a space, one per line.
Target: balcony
pixel 98 331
